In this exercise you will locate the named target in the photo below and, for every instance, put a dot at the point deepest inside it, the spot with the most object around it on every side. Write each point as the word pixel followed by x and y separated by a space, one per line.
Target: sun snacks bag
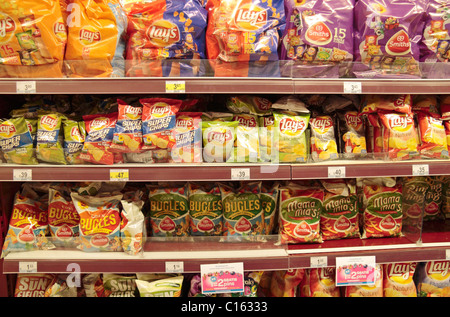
pixel 132 227
pixel 99 135
pixel 188 138
pixel 99 222
pixel 375 290
pixel 318 37
pixel 433 279
pixel 74 136
pixel 387 38
pixel 323 140
pixel 49 138
pixel 319 282
pixel 120 285
pixel 33 37
pixel 398 280
pixel 16 141
pixel 166 38
pixel 205 209
pixel 169 210
pixel 32 285
pixel 127 136
pixel 300 209
pixel 351 130
pixel 242 37
pixel 433 139
pixel 96 42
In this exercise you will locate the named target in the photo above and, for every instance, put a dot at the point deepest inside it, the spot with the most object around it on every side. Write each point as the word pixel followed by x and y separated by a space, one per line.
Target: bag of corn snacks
pixel 49 138
pixel 269 204
pixel 127 136
pixel 16 142
pixel 32 284
pixel 319 282
pixel 120 285
pixel 398 280
pixel 323 140
pixel 433 139
pixel 188 138
pixel 433 279
pixel 74 137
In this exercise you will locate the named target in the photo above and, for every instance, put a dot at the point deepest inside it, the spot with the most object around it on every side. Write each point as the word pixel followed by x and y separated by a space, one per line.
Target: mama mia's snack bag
pixel 162 31
pixel 242 37
pixel 33 37
pixel 96 43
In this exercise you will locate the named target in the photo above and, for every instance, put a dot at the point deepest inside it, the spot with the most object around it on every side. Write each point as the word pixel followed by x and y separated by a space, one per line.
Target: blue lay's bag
pixel 163 31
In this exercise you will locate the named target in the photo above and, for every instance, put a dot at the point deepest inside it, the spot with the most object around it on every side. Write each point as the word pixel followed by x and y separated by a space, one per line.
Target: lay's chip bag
pixel 243 36
pixel 162 31
pixel 16 141
pixel 128 130
pixel 74 136
pixel 32 38
pixel 49 136
pixel 96 43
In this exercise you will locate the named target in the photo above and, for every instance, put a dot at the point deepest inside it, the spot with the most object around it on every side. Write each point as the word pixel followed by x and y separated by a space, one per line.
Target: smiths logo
pixel 250 17
pixel 163 33
pixel 89 35
pixel 7 27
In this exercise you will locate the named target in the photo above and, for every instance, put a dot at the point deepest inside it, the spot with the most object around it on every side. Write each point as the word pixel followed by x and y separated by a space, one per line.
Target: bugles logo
pixel 250 17
pixel 7 27
pixel 89 35
pixel 163 33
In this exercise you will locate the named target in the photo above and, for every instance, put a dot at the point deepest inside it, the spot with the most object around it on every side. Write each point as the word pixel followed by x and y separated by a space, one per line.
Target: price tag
pixel 352 87
pixel 447 254
pixel 176 86
pixel 355 270
pixel 319 261
pixel 27 267
pixel 22 174
pixel 174 267
pixel 420 170
pixel 336 171
pixel 239 174
pixel 26 87
pixel 121 175
pixel 222 278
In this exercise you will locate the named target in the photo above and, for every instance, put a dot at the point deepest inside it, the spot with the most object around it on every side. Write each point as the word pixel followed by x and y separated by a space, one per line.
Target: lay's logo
pixel 7 130
pixel 401 122
pixel 163 33
pixel 76 135
pixel 185 123
pixel 250 17
pixel 89 36
pixel 99 123
pixel 49 122
pixel 7 27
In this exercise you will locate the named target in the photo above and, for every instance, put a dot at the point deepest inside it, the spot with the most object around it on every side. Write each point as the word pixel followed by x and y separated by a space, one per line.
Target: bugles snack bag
pixel 162 31
pixel 96 44
pixel 32 38
pixel 242 37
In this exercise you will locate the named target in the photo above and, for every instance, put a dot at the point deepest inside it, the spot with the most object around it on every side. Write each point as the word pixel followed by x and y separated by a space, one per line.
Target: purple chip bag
pixel 318 38
pixel 435 45
pixel 387 38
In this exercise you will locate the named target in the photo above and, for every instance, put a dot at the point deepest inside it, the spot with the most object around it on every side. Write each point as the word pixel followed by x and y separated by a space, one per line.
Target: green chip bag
pixel 167 287
pixel 16 141
pixel 74 136
pixel 218 140
pixel 49 138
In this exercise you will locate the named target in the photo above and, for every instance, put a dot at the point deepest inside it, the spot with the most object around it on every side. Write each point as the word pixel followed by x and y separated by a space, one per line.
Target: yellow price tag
pixel 178 86
pixel 121 175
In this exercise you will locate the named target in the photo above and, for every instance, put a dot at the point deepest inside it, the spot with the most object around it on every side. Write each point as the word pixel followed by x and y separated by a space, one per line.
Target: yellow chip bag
pixel 323 141
pixel 398 280
pixel 247 140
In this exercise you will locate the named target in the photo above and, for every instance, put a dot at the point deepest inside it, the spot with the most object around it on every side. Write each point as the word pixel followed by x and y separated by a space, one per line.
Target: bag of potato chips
pixel 166 287
pixel 319 282
pixel 188 138
pixel 391 103
pixel 16 141
pixel 433 139
pixel 33 37
pixel 74 136
pixel 132 227
pixel 247 139
pixel 96 43
pixel 398 280
pixel 433 279
pixel 127 136
pixel 352 134
pixel 323 141
pixel 218 140
pixel 49 138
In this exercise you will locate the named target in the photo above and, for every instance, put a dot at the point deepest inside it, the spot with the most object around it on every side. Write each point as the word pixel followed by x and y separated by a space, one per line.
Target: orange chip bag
pixel 284 283
pixel 95 44
pixel 319 282
pixel 433 138
pixel 396 103
pixel 447 133
pixel 398 280
pixel 32 37
pixel 376 144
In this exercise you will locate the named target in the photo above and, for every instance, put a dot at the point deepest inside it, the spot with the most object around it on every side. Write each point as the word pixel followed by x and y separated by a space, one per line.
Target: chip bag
pixel 99 135
pixel 266 126
pixel 167 287
pixel 32 285
pixel 132 227
pixel 283 283
pixel 319 282
pixel 352 131
pixel 434 197
pixel 323 140
pixel 269 204
pixel 218 140
pixel 433 139
pixel 166 38
pixel 249 104
pixel 247 138
pixel 49 138
pixel 96 40
pixel 375 290
pixel 390 103
pixel 242 37
pixel 16 142
pixel 433 279
pixel 33 37
pixel 74 137
pixel 188 138
pixel 99 222
pixel 120 285
pixel 398 280
pixel 127 136
pixel 414 190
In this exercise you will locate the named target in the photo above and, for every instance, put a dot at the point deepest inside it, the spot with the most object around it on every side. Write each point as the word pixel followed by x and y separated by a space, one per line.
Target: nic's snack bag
pixel 323 140
pixel 16 141
pixel 188 138
pixel 319 282
pixel 433 279
pixel 375 290
pixel 433 139
pixel 99 135
pixel 300 209
pixel 398 280
pixel 33 38
pixel 352 131
pixel 74 136
pixel 127 136
pixel 49 138
pixel 99 222
pixel 218 140
pixel 132 227
pixel 32 285
pixel 96 39
pixel 243 36
pixel 166 38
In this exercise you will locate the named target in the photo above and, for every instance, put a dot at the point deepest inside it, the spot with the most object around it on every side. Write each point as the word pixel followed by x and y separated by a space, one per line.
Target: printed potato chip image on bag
pixel 398 280
pixel 127 136
pixel 166 38
pixel 433 279
pixel 74 137
pixel 188 138
pixel 33 38
pixel 96 39
pixel 352 131
pixel 16 142
pixel 49 138
pixel 323 141
pixel 433 139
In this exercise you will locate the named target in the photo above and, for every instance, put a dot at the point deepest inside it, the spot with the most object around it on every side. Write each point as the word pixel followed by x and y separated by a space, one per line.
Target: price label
pixel 319 261
pixel 27 267
pixel 176 86
pixel 420 170
pixel 21 174
pixel 239 174
pixel 355 270
pixel 352 87
pixel 447 254
pixel 174 267
pixel 222 278
pixel 26 87
pixel 121 175
pixel 336 171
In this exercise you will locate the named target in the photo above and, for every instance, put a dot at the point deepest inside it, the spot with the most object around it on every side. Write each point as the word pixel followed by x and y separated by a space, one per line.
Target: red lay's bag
pixel 128 130
pixel 433 139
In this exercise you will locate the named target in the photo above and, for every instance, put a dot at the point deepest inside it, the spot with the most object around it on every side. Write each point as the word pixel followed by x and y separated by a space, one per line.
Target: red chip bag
pixel 395 103
pixel 128 130
pixel 319 282
pixel 433 139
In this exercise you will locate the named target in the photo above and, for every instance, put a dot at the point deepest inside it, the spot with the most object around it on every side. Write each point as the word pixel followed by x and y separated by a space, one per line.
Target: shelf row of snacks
pixel 110 38
pixel 414 279
pixel 240 129
pixel 119 216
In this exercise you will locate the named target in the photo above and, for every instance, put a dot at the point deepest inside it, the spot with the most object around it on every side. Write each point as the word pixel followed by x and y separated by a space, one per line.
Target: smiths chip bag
pixel 96 42
pixel 32 37
pixel 242 37
pixel 16 141
pixel 163 31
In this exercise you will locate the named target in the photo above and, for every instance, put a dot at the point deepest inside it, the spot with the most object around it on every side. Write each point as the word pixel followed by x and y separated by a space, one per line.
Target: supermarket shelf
pixel 151 172
pixel 369 168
